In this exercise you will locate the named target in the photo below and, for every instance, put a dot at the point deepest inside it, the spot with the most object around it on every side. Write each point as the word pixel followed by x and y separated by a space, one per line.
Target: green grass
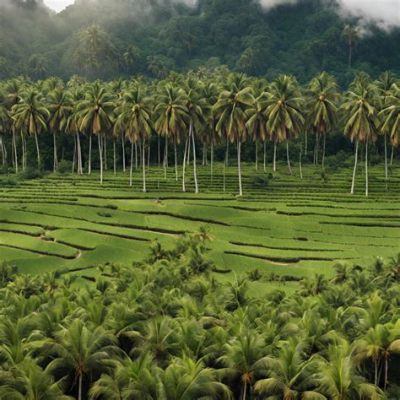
pixel 290 227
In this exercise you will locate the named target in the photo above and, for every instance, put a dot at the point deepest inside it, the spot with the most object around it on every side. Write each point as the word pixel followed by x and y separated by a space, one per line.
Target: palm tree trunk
pixel 176 160
pixel 386 159
pixel 23 153
pixel 196 185
pixel 323 152
pixel 165 162
pixel 265 156
pixel 79 154
pixel 74 156
pixel 300 164
pixel 90 155
pixel 392 156
pixel 131 167
pixel 14 151
pixel 288 158
pixel 366 168
pixel 239 145
pixel 144 164
pixel 244 394
pixel 114 157
pixel 189 150
pixel 256 155
pixel 306 143
pixel 100 139
pixel 3 158
pixel 204 154
pixel 148 154
pixel 104 144
pixel 80 387
pixel 376 372
pixel 136 156
pixel 212 161
pixel 227 152
pixel 386 373
pixel 159 151
pixel 123 153
pixel 355 169
pixel 274 161
pixel 37 150
pixel 55 159
pixel 184 165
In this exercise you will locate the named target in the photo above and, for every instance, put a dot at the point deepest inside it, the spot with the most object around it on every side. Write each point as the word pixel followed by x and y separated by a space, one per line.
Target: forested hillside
pixel 104 39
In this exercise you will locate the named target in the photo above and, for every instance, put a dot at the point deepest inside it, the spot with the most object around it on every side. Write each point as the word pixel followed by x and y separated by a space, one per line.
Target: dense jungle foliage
pixel 105 39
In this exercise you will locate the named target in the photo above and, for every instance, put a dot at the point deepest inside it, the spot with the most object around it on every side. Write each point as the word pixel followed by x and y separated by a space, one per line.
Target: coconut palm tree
pixel 339 379
pixel 60 107
pixel 187 379
pixel 384 84
pixel 351 34
pixel 285 119
pixel 289 375
pixel 390 115
pixel 230 110
pixel 80 352
pixel 95 113
pixel 31 115
pixel 171 119
pixel 257 123
pixel 244 359
pixel 360 119
pixel 322 110
pixel 134 118
pixel 195 105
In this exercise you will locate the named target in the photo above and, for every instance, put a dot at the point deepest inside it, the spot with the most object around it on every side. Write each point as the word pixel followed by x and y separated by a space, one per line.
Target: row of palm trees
pixel 167 330
pixel 185 110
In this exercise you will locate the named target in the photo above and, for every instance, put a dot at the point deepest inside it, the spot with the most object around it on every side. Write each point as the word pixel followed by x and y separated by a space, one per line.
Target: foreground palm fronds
pixel 165 329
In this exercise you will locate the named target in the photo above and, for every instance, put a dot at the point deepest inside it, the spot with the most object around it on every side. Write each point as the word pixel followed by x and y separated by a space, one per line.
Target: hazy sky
pixel 385 12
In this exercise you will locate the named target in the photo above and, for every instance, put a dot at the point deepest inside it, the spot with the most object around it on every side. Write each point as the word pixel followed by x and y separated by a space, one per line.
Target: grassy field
pixel 283 225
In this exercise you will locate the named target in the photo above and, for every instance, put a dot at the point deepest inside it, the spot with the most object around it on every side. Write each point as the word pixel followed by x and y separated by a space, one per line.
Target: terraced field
pixel 285 226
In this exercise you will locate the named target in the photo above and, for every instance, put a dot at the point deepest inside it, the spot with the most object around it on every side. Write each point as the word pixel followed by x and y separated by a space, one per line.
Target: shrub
pixel 259 182
pixel 104 214
pixel 31 173
pixel 64 167
pixel 254 275
pixel 9 181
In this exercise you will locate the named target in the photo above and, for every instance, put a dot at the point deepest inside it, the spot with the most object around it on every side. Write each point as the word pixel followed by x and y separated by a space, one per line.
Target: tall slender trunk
pixel 204 154
pixel 300 164
pixel 176 160
pixel 74 156
pixel 386 160
pixel 100 139
pixel 114 158
pixel 274 161
pixel 239 145
pixel 288 157
pixel 256 155
pixel 136 156
pixel 323 151
pixel 366 168
pixel 227 153
pixel 104 144
pixel 123 153
pixel 196 185
pixel 148 154
pixel 159 151
pixel 189 150
pixel 354 169
pixel 55 159
pixel 386 373
pixel 131 167
pixel 212 161
pixel 79 155
pixel 14 150
pixel 184 164
pixel 90 155
pixel 265 155
pixel 392 156
pixel 144 164
pixel 244 394
pixel 165 162
pixel 316 149
pixel 376 372
pixel 3 155
pixel 24 151
pixel 80 387
pixel 37 150
pixel 306 143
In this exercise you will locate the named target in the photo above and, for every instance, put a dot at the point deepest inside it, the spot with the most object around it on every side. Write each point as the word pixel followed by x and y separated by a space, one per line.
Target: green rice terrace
pixel 282 226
